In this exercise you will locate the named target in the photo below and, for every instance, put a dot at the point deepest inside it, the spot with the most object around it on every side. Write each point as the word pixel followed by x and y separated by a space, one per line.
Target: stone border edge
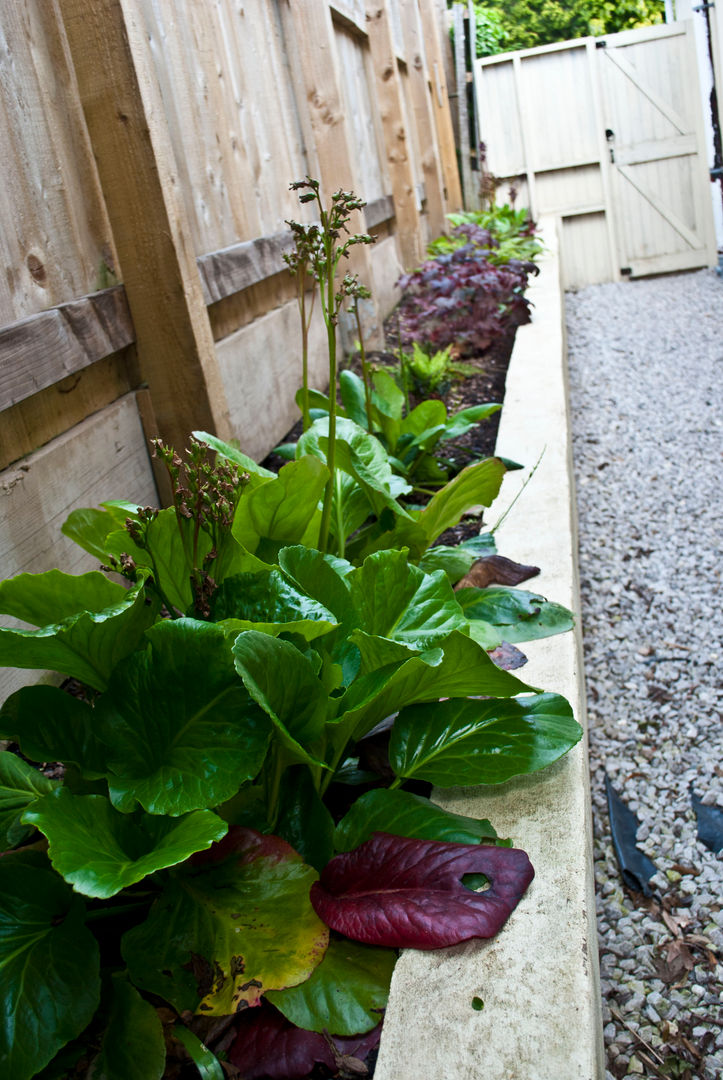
pixel 539 979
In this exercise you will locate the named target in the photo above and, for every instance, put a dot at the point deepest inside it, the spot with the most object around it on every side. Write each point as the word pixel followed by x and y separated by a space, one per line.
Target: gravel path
pixel 646 370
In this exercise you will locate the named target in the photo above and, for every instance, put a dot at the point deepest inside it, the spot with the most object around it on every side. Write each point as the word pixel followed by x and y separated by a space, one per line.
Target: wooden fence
pixel 148 147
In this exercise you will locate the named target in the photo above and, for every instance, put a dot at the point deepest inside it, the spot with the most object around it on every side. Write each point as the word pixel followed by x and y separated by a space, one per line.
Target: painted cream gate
pixel 607 135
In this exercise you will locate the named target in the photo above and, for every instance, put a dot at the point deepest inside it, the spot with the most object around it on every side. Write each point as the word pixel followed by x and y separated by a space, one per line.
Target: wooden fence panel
pixel 55 238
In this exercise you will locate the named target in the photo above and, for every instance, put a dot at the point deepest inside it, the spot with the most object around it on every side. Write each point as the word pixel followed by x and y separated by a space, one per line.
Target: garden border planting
pixel 525 1004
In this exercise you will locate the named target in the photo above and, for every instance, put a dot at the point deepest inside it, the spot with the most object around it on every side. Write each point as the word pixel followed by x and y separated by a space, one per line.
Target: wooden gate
pixel 607 135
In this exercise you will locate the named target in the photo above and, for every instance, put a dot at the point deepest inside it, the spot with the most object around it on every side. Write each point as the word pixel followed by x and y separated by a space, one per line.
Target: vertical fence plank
pixel 440 97
pixel 396 137
pixel 125 118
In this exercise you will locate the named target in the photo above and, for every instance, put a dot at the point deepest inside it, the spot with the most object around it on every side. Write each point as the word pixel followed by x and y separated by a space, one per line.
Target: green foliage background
pixel 524 24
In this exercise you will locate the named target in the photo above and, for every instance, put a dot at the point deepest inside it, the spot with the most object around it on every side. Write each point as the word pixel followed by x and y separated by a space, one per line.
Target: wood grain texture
pixel 242 265
pixel 36 420
pixel 104 457
pixel 55 237
pixel 42 350
pixel 396 133
pixel 142 189
pixel 378 211
pixel 421 115
pixel 436 52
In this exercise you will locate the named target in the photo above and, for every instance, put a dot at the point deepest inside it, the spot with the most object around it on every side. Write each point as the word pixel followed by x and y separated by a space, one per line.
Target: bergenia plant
pixel 240 770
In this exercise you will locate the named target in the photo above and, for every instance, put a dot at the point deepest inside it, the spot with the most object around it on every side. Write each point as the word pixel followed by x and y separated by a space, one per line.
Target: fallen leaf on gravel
pixel 675 923
pixel 496 570
pixel 674 965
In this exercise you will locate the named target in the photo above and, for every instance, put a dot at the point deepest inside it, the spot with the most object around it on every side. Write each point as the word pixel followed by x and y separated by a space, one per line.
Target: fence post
pixel 128 131
pixel 397 141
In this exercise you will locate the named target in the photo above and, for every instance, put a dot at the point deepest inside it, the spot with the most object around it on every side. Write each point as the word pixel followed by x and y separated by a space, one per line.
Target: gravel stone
pixel 646 392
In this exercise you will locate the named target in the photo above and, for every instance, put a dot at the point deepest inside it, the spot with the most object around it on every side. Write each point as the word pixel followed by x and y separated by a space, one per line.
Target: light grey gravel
pixel 646 386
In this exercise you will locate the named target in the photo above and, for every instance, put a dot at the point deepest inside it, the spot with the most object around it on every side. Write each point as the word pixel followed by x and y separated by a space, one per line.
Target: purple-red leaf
pixel 408 893
pixel 268 1047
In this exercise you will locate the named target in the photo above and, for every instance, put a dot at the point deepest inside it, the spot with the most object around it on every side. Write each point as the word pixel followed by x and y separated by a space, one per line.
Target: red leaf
pixel 268 1047
pixel 408 893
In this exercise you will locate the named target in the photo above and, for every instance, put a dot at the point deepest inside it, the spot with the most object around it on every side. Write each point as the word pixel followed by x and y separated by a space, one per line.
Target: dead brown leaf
pixel 496 570
pixel 675 962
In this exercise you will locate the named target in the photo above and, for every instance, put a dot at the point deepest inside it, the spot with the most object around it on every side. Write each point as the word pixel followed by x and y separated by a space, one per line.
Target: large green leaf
pixel 282 511
pixel 132 1044
pixel 477 484
pixel 462 668
pixel 49 965
pixel 269 603
pixel 520 615
pixel 464 420
pixel 231 453
pixel 230 925
pixel 167 541
pixel 395 599
pixel 87 624
pixel 89 527
pixel 323 577
pixel 20 786
pixel 457 561
pixel 304 821
pixel 344 994
pixel 51 725
pixel 284 683
pixel 427 415
pixel 101 851
pixel 181 730
pixel 404 814
pixel 481 742
pixel 351 388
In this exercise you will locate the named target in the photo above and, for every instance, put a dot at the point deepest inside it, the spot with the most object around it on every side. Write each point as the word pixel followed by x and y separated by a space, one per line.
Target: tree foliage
pixel 524 24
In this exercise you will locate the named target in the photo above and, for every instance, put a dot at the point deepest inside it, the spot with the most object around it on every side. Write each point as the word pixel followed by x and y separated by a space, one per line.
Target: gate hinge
pixel 716 174
pixel 704 7
pixel 626 271
pixel 601 44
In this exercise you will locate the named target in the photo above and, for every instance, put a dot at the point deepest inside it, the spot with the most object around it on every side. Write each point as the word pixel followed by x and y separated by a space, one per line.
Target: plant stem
pixel 330 319
pixel 300 284
pixel 364 366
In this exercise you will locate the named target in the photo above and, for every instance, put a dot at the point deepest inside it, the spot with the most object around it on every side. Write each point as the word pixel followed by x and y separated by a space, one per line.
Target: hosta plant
pixel 222 844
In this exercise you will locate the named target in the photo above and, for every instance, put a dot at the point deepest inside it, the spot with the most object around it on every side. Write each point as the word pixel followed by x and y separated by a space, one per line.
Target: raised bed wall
pixel 539 981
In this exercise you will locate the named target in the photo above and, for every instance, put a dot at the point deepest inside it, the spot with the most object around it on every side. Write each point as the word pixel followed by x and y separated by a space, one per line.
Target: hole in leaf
pixel 476 882
pixel 478 1004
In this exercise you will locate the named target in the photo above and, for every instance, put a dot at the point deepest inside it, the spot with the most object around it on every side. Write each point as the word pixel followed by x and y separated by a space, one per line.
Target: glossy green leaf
pixel 20 786
pixel 345 993
pixel 521 615
pixel 429 414
pixel 461 667
pixel 51 725
pixel 181 730
pixel 132 1044
pixel 100 851
pixel 49 965
pixel 233 923
pixel 379 652
pixel 457 561
pixel 388 402
pixel 404 814
pixel 90 527
pixel 304 821
pixel 475 485
pixel 461 742
pixel 87 624
pixel 269 603
pixel 395 599
pixel 164 555
pixel 231 453
pixel 466 419
pixel 208 1065
pixel 322 577
pixel 351 388
pixel 284 683
pixel 281 511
